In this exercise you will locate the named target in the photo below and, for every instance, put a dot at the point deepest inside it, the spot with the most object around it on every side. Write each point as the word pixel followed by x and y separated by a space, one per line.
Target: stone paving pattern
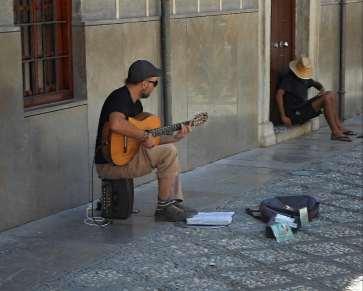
pixel 139 254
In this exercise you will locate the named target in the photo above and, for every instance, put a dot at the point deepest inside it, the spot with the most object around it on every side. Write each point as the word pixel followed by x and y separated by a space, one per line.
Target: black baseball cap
pixel 140 70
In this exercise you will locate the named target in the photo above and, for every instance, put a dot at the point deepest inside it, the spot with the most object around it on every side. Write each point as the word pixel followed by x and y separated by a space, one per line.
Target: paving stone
pixel 353 170
pixel 334 231
pixel 196 283
pixel 221 261
pixel 241 242
pixel 254 279
pixel 308 173
pixel 340 283
pixel 350 204
pixel 354 192
pixel 270 256
pixel 329 185
pixel 312 270
pixel 299 236
pixel 324 249
pixel 303 179
pixel 356 241
pixel 296 288
pixel 99 278
pixel 326 196
pixel 339 215
pixel 354 262
pixel 290 189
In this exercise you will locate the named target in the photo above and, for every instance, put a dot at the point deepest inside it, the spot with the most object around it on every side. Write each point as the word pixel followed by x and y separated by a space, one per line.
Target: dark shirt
pixel 296 90
pixel 118 101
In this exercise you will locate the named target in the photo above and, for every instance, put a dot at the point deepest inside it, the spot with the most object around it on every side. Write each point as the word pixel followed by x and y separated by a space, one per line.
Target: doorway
pixel 282 47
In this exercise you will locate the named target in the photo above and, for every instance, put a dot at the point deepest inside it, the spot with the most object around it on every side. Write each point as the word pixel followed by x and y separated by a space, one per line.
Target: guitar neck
pixel 167 130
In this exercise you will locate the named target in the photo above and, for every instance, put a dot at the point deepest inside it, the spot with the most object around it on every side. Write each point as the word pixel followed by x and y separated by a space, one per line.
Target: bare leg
pixel 337 119
pixel 326 101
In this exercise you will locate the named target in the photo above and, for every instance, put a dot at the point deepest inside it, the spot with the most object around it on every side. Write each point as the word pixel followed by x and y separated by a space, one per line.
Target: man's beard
pixel 145 95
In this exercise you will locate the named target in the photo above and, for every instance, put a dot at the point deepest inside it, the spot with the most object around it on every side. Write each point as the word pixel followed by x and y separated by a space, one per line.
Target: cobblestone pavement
pixel 60 253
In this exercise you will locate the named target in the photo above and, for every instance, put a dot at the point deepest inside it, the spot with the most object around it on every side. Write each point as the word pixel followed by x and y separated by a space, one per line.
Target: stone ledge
pixel 283 133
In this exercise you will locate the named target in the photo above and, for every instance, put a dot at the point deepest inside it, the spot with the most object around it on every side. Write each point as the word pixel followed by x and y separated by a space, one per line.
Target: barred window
pixel 46 49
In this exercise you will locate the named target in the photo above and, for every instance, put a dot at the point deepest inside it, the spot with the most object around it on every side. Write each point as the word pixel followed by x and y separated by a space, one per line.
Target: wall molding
pixel 157 18
pixel 63 105
pixel 9 28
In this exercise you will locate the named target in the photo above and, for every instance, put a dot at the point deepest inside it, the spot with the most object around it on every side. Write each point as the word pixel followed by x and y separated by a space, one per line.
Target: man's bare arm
pixel 119 124
pixel 280 104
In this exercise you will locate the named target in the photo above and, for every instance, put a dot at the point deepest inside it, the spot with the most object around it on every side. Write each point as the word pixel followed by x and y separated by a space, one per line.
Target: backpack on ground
pixel 285 205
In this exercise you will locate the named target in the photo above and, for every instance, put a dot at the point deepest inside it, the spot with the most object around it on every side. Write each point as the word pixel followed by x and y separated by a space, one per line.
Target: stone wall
pixel 329 50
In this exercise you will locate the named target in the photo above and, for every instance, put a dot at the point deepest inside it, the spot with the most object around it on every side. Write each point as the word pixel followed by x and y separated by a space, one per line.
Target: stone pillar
pixel 6 13
pixel 313 46
pixel 307 37
pixel 266 134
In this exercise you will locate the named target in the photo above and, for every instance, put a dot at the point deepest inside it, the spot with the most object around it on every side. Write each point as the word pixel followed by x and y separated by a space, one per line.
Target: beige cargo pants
pixel 164 158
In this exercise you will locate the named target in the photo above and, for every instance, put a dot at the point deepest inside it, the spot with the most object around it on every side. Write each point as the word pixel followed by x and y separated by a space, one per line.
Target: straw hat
pixel 302 67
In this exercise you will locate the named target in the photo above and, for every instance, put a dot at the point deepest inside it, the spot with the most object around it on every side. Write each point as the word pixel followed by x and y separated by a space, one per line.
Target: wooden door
pixel 282 47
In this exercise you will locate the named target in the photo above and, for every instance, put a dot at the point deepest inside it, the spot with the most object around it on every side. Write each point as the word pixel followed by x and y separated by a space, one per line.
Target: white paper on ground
pixel 211 218
pixel 285 220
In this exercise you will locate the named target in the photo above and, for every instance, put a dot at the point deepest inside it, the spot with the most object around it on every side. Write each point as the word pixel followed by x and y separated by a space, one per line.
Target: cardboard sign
pixel 282 232
pixel 304 218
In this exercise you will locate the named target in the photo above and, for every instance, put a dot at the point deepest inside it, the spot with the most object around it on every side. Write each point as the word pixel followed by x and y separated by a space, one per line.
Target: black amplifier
pixel 117 198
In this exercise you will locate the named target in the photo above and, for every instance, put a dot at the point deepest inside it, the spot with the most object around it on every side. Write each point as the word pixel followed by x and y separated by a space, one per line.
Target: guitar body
pixel 122 148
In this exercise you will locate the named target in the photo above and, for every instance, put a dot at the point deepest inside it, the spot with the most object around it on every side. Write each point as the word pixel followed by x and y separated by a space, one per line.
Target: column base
pixel 267 135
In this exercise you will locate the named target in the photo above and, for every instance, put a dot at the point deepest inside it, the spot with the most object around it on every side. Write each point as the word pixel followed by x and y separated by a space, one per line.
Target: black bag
pixel 117 198
pixel 285 205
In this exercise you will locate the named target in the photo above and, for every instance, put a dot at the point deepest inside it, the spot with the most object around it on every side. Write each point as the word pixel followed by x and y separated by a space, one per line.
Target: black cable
pixel 93 162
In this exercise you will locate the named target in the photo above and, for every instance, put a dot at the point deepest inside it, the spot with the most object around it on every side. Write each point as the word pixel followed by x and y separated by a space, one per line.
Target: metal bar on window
pixel 45 58
pixel 46 49
pixel 42 22
pixel 34 70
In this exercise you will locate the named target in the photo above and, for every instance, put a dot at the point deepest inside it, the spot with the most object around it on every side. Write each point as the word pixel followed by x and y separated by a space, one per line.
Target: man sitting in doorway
pixel 294 106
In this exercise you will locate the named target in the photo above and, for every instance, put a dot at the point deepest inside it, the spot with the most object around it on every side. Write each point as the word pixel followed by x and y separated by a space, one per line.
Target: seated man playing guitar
pixel 122 104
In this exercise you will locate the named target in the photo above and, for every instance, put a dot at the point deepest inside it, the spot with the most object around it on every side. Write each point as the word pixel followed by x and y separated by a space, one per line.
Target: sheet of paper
pixel 211 218
pixel 286 220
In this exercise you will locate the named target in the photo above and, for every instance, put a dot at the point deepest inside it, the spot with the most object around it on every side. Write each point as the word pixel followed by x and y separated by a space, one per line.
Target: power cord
pixel 94 220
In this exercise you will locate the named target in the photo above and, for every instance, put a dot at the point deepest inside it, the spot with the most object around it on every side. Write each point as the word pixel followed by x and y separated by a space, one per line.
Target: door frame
pixel 307 19
pixel 291 40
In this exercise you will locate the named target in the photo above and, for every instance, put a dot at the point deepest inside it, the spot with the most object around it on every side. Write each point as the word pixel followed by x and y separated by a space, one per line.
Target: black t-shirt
pixel 118 101
pixel 296 90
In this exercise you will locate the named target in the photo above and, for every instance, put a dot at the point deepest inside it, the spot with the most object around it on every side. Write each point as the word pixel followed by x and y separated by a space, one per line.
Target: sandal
pixel 349 132
pixel 341 138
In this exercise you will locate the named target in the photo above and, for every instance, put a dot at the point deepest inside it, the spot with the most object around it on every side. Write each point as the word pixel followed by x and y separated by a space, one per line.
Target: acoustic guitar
pixel 120 149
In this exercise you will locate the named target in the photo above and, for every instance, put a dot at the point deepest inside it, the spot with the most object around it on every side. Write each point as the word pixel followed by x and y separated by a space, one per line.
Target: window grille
pixel 46 49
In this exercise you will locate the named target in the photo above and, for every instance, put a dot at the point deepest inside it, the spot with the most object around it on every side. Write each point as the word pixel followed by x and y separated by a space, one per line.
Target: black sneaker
pixel 186 209
pixel 170 213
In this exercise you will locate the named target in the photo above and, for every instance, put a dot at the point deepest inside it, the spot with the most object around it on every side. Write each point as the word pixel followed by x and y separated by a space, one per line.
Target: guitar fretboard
pixel 167 130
